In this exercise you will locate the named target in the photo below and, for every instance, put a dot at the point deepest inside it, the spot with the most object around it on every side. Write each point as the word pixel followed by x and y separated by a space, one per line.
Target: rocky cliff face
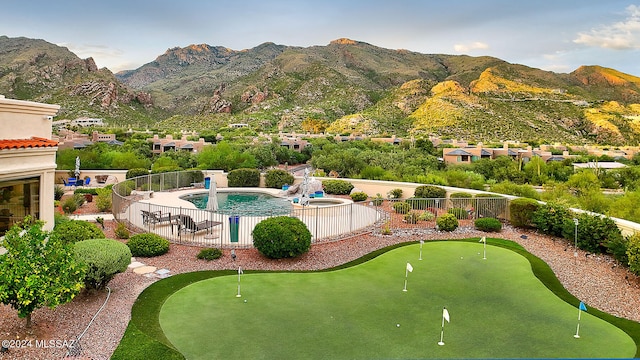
pixel 37 70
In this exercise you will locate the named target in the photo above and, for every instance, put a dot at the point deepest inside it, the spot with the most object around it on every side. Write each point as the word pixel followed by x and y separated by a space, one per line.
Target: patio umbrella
pixel 212 203
pixel 77 170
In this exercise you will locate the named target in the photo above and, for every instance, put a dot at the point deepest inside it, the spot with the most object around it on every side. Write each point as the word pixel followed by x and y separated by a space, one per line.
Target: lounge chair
pixel 155 217
pixel 187 224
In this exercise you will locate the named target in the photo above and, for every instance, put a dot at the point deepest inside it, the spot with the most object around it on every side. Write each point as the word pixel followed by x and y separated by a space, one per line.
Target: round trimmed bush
pixel 77 230
pixel 429 192
pixel 337 187
pixel 209 254
pixel 411 217
pixel 447 222
pixel 148 245
pixel 104 259
pixel 281 237
pixel 359 196
pixel 488 224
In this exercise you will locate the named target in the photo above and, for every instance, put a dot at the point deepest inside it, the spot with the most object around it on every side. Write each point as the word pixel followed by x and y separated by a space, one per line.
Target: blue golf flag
pixel 582 307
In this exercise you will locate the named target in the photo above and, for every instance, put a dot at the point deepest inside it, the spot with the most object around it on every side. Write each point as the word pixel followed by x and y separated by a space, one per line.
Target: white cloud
pixel 621 35
pixel 464 48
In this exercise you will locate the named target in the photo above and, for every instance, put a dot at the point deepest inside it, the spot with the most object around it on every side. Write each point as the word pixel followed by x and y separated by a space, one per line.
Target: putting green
pixel 497 307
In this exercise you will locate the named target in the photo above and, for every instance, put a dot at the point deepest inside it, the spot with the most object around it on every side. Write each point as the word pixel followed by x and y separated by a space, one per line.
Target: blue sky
pixel 555 35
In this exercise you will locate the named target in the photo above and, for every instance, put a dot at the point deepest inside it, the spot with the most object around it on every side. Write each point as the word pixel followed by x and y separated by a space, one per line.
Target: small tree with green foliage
pixel 595 232
pixel 281 237
pixel 104 259
pixel 276 178
pixel 244 178
pixel 37 270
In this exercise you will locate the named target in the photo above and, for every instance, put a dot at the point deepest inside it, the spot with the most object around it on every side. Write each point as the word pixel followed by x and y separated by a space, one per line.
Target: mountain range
pixel 344 87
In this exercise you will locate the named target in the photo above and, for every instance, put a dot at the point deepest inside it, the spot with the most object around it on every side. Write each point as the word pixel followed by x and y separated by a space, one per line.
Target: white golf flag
pixel 409 267
pixel 445 314
pixel 483 240
pixel 239 270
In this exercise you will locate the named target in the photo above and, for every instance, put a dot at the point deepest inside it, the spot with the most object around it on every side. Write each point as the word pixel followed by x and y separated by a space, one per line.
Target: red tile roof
pixel 34 142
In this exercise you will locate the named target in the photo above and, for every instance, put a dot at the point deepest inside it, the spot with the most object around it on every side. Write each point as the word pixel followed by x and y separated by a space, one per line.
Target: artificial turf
pixel 498 309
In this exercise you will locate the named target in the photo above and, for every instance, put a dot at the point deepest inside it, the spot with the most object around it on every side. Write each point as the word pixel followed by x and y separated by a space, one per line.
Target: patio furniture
pixel 71 182
pixel 187 224
pixel 87 181
pixel 155 217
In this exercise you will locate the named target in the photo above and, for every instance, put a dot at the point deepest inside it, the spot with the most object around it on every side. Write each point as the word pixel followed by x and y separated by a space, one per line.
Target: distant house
pixel 82 122
pixel 160 145
pixel 607 165
pixel 28 162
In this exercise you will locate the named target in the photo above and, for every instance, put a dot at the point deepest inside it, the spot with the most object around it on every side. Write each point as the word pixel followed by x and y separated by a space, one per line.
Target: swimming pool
pixel 243 203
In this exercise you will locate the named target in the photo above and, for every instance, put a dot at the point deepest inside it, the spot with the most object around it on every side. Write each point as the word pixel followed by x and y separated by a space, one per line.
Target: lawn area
pixel 498 309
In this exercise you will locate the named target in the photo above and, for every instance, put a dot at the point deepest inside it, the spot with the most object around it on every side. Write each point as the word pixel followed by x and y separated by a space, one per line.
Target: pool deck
pixel 324 222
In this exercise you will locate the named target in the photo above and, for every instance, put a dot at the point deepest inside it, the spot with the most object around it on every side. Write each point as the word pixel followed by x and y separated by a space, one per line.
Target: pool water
pixel 243 203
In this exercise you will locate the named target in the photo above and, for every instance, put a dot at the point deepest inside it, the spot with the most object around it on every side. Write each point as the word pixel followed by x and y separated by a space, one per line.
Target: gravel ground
pixel 597 280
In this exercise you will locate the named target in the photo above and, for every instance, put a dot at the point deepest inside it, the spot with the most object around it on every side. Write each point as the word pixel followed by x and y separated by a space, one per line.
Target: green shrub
pixel 427 216
pixel 359 196
pixel 633 253
pixel 521 212
pixel 509 188
pixel 401 207
pixel 244 178
pixel 92 191
pixel 58 192
pixel 281 237
pixel 136 172
pixel 411 217
pixel 618 248
pixel 395 194
pixel 461 199
pixel 103 201
pixel 447 222
pixel 337 187
pixel 121 231
pixel 549 218
pixel 429 192
pixel 79 199
pixel 276 178
pixel 488 224
pixel 209 254
pixel 77 230
pixel 104 259
pixel 459 213
pixel 378 200
pixel 148 245
pixel 69 205
pixel 595 232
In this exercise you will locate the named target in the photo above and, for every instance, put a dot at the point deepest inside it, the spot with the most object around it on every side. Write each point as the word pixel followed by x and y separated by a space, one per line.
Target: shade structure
pixel 212 202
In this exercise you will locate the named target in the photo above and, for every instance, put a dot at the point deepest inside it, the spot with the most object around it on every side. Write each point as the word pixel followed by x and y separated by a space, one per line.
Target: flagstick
pixel 441 342
pixel 239 272
pixel 406 274
pixel 577 335
pixel 421 242
pixel 484 257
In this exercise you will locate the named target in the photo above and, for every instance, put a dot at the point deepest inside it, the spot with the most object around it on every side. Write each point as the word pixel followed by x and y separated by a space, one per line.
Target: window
pixel 18 198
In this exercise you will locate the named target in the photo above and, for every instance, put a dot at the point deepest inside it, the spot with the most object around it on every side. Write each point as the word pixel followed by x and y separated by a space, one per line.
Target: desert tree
pixel 37 269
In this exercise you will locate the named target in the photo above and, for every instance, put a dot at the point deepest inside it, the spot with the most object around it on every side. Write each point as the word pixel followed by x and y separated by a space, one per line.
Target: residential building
pixel 28 162
pixel 169 143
